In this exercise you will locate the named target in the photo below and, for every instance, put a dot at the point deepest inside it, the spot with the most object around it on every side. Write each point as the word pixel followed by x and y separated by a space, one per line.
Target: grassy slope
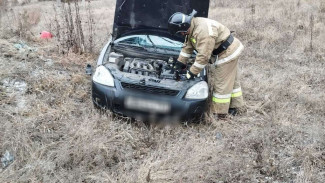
pixel 56 135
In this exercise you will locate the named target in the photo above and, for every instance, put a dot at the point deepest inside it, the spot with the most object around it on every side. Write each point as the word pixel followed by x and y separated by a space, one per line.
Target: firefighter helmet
pixel 179 22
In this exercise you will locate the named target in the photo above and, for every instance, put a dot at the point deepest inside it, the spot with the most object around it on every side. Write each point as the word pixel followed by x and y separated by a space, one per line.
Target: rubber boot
pixel 233 111
pixel 220 116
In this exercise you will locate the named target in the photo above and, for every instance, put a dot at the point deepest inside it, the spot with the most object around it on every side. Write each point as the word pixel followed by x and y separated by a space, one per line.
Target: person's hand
pixel 190 75
pixel 178 68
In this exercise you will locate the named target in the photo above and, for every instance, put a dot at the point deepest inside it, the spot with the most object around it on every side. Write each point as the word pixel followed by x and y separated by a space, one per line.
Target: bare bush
pixel 20 23
pixel 3 7
pixel 69 28
pixel 3 4
pixel 90 25
pixel 24 2
pixel 322 7
pixel 26 20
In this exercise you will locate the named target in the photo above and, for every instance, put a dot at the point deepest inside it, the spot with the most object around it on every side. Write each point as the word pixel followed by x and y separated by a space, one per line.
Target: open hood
pixel 133 16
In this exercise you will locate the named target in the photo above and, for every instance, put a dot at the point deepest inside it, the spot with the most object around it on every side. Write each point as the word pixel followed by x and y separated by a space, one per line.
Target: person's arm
pixel 205 46
pixel 186 53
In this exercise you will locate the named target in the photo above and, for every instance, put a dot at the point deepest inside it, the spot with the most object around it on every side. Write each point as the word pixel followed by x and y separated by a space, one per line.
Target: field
pixel 53 133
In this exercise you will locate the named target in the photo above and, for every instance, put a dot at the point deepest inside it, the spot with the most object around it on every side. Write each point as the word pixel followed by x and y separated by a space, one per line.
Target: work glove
pixel 190 75
pixel 178 68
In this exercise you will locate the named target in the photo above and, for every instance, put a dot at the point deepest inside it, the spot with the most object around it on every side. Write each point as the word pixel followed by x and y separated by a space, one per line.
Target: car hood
pixel 141 15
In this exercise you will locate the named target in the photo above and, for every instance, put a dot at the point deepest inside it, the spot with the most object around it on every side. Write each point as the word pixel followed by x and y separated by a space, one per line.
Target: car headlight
pixel 103 76
pixel 198 91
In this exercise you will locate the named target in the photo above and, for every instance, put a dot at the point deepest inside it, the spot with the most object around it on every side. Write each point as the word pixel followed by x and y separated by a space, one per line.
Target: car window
pixel 131 40
pixel 151 41
pixel 140 40
pixel 163 42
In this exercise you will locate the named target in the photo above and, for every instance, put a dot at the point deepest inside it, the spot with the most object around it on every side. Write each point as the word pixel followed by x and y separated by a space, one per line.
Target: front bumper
pixel 113 98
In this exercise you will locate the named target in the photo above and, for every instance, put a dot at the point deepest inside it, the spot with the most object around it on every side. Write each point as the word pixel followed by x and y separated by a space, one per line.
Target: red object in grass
pixel 46 35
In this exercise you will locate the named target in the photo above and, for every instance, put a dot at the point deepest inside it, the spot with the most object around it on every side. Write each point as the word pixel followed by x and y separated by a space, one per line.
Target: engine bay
pixel 160 69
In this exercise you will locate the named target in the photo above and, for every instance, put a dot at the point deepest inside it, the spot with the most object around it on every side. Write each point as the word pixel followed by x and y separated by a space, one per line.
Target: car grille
pixel 149 89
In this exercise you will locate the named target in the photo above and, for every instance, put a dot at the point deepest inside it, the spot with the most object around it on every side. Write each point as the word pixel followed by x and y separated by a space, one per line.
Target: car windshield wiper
pixel 168 40
pixel 129 45
pixel 153 44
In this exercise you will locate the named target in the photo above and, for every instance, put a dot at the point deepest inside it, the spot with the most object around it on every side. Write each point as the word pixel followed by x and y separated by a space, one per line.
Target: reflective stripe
pixel 199 65
pixel 221 96
pixel 183 20
pixel 185 54
pixel 238 94
pixel 230 57
pixel 236 90
pixel 193 40
pixel 221 101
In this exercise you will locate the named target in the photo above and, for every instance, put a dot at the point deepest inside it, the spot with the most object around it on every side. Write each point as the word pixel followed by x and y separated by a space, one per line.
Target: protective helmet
pixel 179 22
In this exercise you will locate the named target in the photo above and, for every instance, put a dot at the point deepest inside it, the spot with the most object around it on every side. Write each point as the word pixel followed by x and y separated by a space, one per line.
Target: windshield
pixel 150 41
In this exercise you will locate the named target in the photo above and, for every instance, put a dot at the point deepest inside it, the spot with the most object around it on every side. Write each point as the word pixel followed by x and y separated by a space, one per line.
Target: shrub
pixel 70 27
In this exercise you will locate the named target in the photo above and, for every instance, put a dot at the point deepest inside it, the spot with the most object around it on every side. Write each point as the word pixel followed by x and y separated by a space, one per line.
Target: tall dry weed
pixel 20 23
pixel 90 25
pixel 4 4
pixel 69 26
pixel 26 20
pixel 322 7
pixel 3 8
pixel 311 25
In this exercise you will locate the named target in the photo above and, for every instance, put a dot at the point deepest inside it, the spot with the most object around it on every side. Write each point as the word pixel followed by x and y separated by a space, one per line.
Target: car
pixel 134 74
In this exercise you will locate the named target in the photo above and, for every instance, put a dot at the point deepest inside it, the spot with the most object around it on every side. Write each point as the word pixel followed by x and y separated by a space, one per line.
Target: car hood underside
pixel 133 15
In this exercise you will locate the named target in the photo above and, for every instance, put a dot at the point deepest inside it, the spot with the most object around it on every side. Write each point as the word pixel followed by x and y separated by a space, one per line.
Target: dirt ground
pixel 50 131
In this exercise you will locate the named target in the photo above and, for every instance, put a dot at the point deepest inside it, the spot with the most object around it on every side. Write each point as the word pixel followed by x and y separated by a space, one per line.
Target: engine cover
pixel 148 67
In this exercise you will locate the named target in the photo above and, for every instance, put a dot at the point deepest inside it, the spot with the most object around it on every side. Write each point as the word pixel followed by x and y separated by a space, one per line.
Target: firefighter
pixel 214 44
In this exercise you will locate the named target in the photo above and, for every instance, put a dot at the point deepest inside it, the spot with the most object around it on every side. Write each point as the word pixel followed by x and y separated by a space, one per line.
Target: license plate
pixel 146 105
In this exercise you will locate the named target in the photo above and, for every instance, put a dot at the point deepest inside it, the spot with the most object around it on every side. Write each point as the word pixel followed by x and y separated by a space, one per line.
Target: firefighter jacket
pixel 205 36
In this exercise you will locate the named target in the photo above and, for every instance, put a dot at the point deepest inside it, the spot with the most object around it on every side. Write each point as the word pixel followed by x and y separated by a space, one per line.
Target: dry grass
pixel 20 21
pixel 56 135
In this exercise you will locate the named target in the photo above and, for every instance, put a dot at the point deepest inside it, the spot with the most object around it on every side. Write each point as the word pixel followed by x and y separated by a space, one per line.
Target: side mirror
pixel 89 70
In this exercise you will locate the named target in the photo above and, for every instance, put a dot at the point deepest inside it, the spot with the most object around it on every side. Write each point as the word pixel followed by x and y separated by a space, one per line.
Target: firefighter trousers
pixel 224 80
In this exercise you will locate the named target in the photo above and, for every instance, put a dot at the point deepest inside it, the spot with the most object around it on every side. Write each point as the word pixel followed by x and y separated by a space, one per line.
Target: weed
pixel 311 25
pixel 70 30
